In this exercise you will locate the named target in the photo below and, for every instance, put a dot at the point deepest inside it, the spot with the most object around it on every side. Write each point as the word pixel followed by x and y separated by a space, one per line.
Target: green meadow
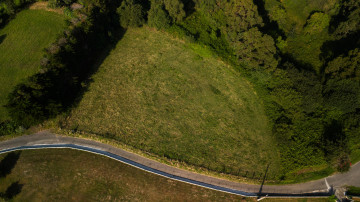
pixel 177 100
pixel 21 48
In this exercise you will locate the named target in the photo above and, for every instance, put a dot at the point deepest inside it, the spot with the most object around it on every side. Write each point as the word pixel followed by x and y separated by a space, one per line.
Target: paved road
pixel 45 138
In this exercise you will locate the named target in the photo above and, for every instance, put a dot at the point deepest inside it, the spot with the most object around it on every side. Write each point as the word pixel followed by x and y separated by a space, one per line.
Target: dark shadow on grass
pixel 97 61
pixel 8 163
pixel 59 89
pixel 2 37
pixel 66 73
pixel 13 190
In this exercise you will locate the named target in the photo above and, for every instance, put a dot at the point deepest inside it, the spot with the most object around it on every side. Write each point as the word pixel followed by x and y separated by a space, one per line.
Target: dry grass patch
pixel 43 5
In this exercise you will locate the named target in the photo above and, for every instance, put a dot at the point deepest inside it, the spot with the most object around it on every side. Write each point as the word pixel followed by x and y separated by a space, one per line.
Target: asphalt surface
pixel 46 139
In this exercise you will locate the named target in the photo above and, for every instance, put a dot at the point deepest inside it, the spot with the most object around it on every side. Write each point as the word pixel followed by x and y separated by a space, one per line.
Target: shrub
pixel 353 191
pixel 343 164
pixel 175 9
pixel 157 16
pixel 131 14
pixel 8 127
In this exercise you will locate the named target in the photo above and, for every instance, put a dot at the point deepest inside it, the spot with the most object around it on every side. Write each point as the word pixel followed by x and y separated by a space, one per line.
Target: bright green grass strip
pixel 157 94
pixel 22 48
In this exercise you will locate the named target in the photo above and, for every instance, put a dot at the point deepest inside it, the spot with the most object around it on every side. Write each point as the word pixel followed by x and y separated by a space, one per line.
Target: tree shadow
pixel 189 6
pixel 66 75
pixel 8 163
pixel 2 37
pixel 13 190
pixel 6 166
pixel 334 133
pixel 299 65
pixel 334 138
pixel 101 56
pixel 334 48
pixel 271 27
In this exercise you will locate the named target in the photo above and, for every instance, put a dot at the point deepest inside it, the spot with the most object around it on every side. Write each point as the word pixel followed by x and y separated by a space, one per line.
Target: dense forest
pixel 302 56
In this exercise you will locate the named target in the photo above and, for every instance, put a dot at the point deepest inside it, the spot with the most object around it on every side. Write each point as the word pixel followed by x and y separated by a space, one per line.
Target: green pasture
pixel 21 48
pixel 173 99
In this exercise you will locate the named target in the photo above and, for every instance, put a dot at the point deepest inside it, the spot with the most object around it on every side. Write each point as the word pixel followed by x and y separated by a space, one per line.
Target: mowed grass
pixel 21 48
pixel 71 175
pixel 175 100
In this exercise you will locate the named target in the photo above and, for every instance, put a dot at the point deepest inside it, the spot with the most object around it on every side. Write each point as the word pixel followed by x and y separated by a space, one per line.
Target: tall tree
pixel 255 49
pixel 158 16
pixel 175 8
pixel 131 14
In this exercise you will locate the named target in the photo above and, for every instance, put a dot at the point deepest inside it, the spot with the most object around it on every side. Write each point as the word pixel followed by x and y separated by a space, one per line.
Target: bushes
pixel 9 127
pixel 175 8
pixel 157 16
pixel 353 191
pixel 8 9
pixel 131 14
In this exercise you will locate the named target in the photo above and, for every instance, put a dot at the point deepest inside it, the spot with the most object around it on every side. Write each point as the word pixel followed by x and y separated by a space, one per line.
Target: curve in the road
pixel 134 164
pixel 313 188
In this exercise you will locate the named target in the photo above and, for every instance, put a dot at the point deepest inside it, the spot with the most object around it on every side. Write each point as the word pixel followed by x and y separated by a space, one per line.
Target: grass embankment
pixel 21 48
pixel 176 100
pixel 65 174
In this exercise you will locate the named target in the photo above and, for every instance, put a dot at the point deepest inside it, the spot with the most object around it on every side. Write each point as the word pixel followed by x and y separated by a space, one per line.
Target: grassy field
pixel 21 46
pixel 50 175
pixel 176 100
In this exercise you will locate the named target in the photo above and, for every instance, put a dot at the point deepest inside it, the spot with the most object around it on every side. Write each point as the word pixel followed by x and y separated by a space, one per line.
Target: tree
pixel 241 16
pixel 255 49
pixel 317 23
pixel 342 94
pixel 157 16
pixel 348 20
pixel 175 9
pixel 345 67
pixel 131 14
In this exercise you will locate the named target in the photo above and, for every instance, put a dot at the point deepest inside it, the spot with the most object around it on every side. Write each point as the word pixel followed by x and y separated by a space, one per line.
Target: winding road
pixel 49 140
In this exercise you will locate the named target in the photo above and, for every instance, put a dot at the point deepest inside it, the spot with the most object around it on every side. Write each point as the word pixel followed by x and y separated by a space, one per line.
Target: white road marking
pixel 327 184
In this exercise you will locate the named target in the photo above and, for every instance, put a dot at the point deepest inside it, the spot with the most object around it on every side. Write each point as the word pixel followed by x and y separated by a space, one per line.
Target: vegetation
pixel 21 45
pixel 353 191
pixel 299 199
pixel 64 67
pixel 50 175
pixel 197 111
pixel 131 14
pixel 304 67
